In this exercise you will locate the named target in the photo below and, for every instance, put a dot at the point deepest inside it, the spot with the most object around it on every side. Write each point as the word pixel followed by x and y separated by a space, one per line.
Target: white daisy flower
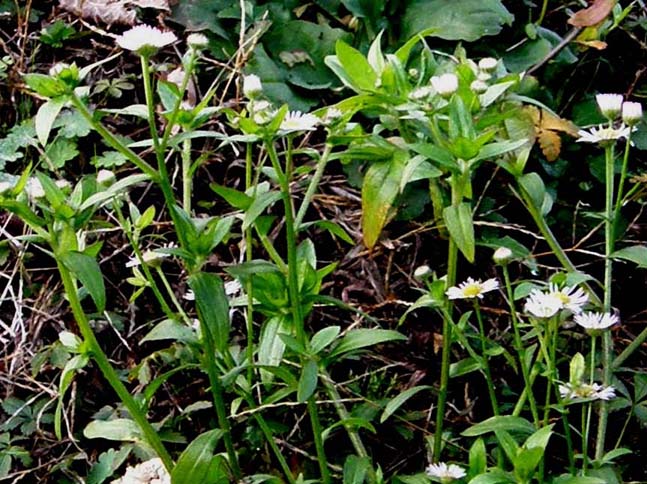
pixel 610 105
pixel 63 184
pixel 594 391
pixel 471 289
pixel 149 472
pixel 488 64
pixel 632 113
pixel 445 85
pixel 197 41
pixel 542 305
pixel 445 472
pixel 189 295
pixel 152 258
pixel 596 321
pixel 252 86
pixel 421 272
pixel 603 134
pixel 420 93
pixel 145 39
pixel 572 298
pixel 297 121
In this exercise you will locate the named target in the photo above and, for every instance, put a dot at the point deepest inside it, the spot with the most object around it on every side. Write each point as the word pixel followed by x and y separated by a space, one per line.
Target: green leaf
pixel 362 338
pixel 396 402
pixel 61 151
pixel 120 429
pixel 635 253
pixel 86 269
pixel 508 423
pixel 494 477
pixel 258 206
pixel 67 375
pixel 464 20
pixel 170 329
pixel 323 338
pixel 355 469
pixel 526 462
pixel 109 159
pixel 477 458
pixel 308 381
pixel 356 67
pixel 45 118
pixel 270 346
pixel 213 308
pixel 45 85
pixel 534 186
pixel 194 463
pixel 107 463
pixel 569 479
pixel 458 219
pixel 236 199
pixel 576 367
pixel 380 187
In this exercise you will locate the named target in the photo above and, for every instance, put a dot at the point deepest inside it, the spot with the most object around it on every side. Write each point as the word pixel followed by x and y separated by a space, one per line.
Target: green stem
pixel 621 186
pixel 444 383
pixel 314 184
pixel 112 141
pixel 138 254
pixel 518 344
pixel 293 287
pixel 150 434
pixel 553 243
pixel 607 341
pixel 187 180
pixel 587 427
pixel 484 359
pixel 249 288
pixel 217 393
pixel 629 350
pixel 542 13
pixel 171 293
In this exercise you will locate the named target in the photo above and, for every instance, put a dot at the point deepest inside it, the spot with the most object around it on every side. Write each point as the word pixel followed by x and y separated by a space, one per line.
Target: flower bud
pixel 197 41
pixel 478 86
pixel 632 113
pixel 488 64
pixel 252 86
pixel 421 273
pixel 105 178
pixel 502 256
pixel 445 85
pixel 610 105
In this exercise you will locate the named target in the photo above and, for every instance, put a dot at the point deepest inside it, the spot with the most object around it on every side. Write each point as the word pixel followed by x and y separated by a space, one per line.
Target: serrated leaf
pixel 61 151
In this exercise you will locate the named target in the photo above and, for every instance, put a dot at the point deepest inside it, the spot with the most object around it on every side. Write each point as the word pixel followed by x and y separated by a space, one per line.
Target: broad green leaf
pixel 362 338
pixel 86 269
pixel 236 199
pixel 635 253
pixel 45 118
pixel 507 423
pixel 120 429
pixel 270 346
pixel 498 148
pixel 494 477
pixel 323 338
pixel 458 219
pixel 308 380
pixel 356 66
pixel 380 188
pixel 44 85
pixel 540 438
pixel 464 366
pixel 576 369
pixel 477 458
pixel 194 463
pixel 258 206
pixel 99 199
pixel 533 185
pixel 355 469
pixel 462 20
pixel 507 443
pixel 526 462
pixel 213 308
pixel 107 463
pixel 170 329
pixel 396 402
pixel 61 151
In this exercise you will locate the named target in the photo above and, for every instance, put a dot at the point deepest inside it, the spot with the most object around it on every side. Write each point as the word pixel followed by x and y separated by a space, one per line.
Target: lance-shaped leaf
pixel 213 307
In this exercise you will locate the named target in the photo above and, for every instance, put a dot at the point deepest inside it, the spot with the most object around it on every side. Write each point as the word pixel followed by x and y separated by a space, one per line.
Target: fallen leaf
pixel 111 11
pixel 592 15
pixel 547 127
pixel 595 44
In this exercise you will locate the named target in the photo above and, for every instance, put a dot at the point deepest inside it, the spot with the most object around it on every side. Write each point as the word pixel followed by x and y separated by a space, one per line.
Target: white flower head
pixel 596 321
pixel 421 273
pixel 471 289
pixel 502 256
pixel 488 64
pixel 632 113
pixel 151 258
pixel 63 184
pixel 106 177
pixel 176 76
pixel 149 472
pixel 145 40
pixel 252 86
pixel 572 298
pixel 587 391
pixel 445 85
pixel 445 472
pixel 332 116
pixel 610 105
pixel 420 93
pixel 197 41
pixel 295 121
pixel 542 305
pixel 603 134
pixel 478 86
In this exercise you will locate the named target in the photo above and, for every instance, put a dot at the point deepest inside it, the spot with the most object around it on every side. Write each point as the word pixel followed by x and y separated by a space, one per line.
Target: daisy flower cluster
pixel 471 289
pixel 445 473
pixel 546 304
pixel 611 106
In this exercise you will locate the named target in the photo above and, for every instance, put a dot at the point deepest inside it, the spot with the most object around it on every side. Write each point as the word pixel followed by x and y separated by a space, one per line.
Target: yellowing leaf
pixel 592 15
pixel 595 44
pixel 550 144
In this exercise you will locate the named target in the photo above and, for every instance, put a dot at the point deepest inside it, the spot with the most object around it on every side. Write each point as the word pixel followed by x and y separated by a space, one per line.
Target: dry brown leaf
pixel 550 144
pixel 595 44
pixel 111 11
pixel 547 127
pixel 592 15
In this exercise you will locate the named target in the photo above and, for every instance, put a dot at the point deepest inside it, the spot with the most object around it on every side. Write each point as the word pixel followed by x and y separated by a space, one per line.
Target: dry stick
pixel 555 50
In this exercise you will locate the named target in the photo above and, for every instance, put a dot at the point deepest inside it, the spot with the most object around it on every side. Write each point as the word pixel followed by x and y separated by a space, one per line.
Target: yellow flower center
pixel 472 290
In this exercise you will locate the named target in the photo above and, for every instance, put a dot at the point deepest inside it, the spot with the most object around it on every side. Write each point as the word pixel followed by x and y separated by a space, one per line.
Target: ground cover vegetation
pixel 331 241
